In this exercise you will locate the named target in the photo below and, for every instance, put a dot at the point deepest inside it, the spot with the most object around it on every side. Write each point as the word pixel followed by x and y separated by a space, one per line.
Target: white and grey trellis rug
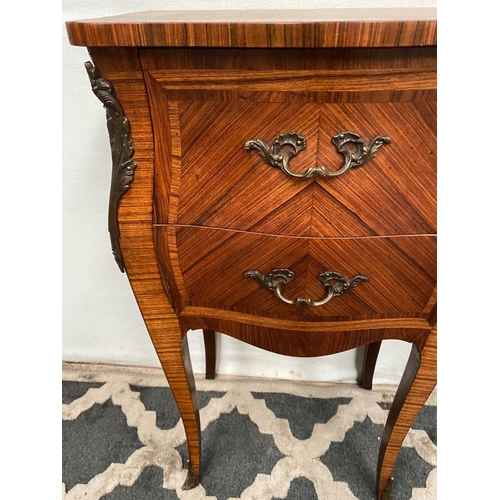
pixel 262 439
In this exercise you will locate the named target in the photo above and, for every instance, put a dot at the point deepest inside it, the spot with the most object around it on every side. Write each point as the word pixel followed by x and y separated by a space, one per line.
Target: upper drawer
pixel 204 117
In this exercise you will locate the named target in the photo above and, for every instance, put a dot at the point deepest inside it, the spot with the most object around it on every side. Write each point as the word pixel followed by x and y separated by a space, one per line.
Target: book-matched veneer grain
pixel 401 270
pixel 206 177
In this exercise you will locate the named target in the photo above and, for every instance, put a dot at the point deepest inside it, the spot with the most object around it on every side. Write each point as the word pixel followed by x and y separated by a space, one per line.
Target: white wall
pixel 101 320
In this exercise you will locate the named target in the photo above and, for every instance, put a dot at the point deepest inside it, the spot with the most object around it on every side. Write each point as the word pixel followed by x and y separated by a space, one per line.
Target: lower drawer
pixel 209 267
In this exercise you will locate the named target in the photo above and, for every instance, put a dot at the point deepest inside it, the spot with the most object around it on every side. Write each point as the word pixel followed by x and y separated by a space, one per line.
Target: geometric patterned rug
pixel 262 439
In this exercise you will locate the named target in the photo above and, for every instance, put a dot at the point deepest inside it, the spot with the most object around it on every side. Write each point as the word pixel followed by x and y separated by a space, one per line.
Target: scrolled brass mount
pixel 122 153
pixel 333 281
pixel 354 156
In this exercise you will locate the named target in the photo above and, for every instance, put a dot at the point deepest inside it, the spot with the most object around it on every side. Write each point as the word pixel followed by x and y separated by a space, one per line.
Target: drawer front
pixel 205 176
pixel 211 265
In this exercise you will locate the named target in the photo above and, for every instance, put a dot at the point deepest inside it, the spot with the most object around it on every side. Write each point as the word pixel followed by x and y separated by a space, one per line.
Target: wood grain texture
pixel 122 68
pixel 197 58
pixel 326 324
pixel 224 185
pixel 395 192
pixel 402 271
pixel 382 65
pixel 220 184
pixel 297 80
pixel 432 303
pixel 283 28
pixel 219 177
pixel 313 339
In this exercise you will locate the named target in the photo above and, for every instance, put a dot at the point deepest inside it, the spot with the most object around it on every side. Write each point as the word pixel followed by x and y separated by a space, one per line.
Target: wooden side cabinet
pixel 274 178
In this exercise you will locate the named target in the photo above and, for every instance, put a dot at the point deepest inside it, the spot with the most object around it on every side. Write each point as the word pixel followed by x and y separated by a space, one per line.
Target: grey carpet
pixel 123 441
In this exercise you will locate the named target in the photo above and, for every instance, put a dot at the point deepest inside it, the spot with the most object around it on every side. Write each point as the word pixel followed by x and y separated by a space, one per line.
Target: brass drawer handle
pixel 355 155
pixel 334 282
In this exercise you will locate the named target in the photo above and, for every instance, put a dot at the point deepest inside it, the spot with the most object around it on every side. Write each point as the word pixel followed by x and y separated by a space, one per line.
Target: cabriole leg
pixel 419 379
pixel 210 353
pixel 173 351
pixel 371 355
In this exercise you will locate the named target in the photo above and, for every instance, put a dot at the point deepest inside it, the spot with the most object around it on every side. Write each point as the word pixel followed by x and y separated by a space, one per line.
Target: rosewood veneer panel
pixel 212 262
pixel 207 111
pixel 222 185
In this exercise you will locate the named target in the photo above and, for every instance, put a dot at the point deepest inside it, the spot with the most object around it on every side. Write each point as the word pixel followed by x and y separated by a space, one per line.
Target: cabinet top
pixel 314 28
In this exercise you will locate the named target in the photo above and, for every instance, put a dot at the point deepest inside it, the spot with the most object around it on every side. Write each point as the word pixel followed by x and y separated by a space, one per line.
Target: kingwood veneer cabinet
pixel 274 178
